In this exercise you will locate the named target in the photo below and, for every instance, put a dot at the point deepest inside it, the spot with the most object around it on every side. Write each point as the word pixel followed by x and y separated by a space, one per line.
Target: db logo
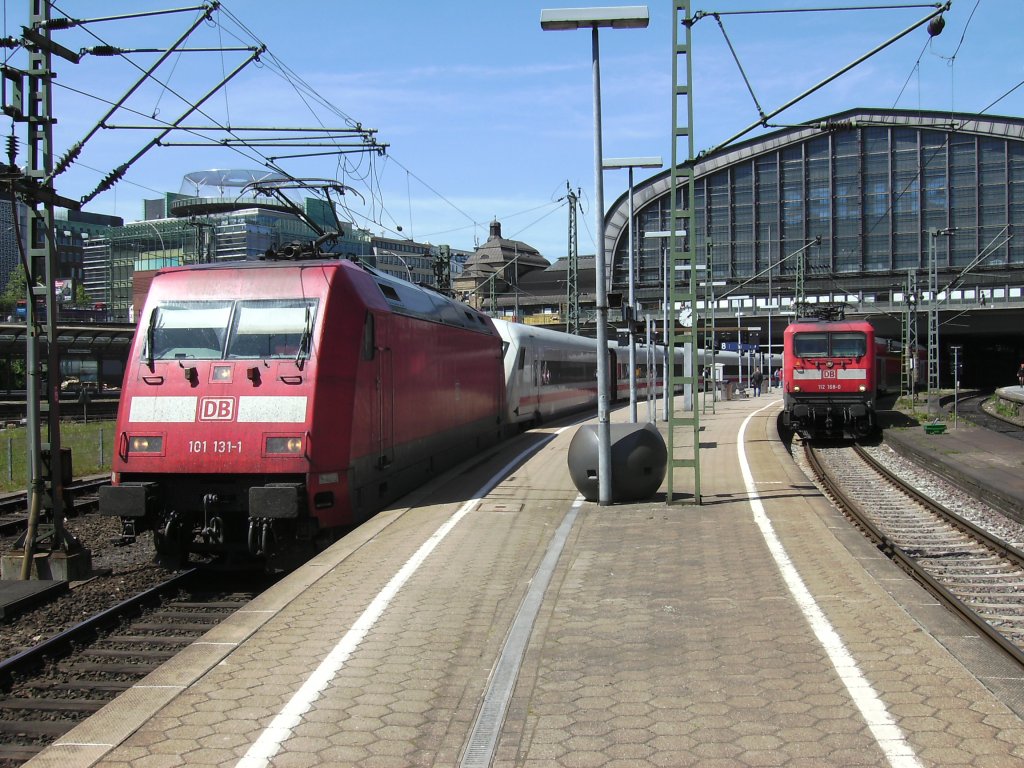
pixel 828 374
pixel 217 409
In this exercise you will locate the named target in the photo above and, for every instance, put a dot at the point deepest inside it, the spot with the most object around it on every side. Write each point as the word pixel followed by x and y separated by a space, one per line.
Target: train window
pixel 279 328
pixel 853 344
pixel 573 372
pixel 810 344
pixel 183 330
pixel 369 337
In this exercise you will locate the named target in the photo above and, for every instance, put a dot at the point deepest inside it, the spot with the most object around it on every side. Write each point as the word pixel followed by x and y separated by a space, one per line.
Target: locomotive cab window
pixel 276 329
pixel 188 330
pixel 810 344
pixel 853 344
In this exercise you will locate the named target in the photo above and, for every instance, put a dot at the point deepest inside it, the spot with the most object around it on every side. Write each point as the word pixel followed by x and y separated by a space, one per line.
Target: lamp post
pixel 956 381
pixel 771 365
pixel 666 388
pixel 630 163
pixel 739 347
pixel 621 17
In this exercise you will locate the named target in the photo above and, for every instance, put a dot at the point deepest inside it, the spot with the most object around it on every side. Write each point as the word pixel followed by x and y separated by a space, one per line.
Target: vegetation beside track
pixel 91 447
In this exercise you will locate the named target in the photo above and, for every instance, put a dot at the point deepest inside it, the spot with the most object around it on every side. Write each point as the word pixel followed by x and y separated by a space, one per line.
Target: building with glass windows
pixel 10 253
pixel 888 192
pixel 219 218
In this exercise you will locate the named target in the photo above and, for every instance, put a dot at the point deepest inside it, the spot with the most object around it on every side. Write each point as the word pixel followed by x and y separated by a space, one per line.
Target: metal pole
pixel 666 377
pixel 739 346
pixel 604 464
pixel 771 364
pixel 933 302
pixel 714 365
pixel 956 382
pixel 650 378
pixel 632 309
pixel 42 248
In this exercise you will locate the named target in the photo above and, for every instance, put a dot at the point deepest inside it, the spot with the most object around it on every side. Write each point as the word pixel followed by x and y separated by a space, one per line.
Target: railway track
pixel 967 566
pixel 50 688
pixel 84 494
pixel 971 408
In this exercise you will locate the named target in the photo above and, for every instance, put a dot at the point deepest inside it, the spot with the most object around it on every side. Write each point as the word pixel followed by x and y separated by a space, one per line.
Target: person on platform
pixel 757 379
pixel 1020 375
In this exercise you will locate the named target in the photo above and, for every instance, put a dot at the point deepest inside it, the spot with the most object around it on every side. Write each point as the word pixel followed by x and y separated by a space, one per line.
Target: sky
pixel 484 115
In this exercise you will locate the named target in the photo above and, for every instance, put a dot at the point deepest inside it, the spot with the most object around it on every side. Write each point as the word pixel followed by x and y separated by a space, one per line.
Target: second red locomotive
pixel 833 372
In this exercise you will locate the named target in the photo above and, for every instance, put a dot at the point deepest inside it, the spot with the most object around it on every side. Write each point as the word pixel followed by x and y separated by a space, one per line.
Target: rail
pixel 905 559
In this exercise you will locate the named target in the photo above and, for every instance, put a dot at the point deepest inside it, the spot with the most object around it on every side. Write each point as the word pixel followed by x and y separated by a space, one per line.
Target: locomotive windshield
pixel 837 344
pixel 217 330
pixel 188 329
pixel 271 329
pixel 850 344
pixel 810 344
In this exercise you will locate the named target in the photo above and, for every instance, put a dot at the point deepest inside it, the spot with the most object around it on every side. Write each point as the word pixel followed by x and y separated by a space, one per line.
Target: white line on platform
pixel 269 743
pixel 888 735
pixel 483 738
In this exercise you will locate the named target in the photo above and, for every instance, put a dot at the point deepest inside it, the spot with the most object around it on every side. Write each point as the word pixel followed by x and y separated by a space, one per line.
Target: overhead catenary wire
pixel 372 172
pixel 230 27
pixel 763 118
pixel 256 156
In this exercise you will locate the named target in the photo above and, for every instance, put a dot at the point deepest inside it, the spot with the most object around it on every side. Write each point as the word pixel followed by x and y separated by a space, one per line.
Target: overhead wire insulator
pixel 69 157
pixel 12 148
pixel 104 50
pixel 61 22
pixel 112 178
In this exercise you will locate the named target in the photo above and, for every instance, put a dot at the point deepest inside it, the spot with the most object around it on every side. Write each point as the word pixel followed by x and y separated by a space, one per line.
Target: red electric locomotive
pixel 268 405
pixel 832 372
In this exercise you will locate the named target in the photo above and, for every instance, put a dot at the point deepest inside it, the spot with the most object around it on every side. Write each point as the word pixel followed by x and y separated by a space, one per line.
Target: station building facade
pixel 886 191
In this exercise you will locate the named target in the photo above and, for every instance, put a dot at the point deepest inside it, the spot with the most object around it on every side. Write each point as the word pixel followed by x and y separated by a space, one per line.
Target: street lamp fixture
pixel 615 17
pixel 630 163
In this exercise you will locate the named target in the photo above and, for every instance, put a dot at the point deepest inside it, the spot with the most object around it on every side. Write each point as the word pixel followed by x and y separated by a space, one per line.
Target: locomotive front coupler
pixel 213 524
pixel 261 539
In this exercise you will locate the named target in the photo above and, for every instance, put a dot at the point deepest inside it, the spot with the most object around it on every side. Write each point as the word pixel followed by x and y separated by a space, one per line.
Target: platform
pixel 18 596
pixel 521 626
pixel 989 464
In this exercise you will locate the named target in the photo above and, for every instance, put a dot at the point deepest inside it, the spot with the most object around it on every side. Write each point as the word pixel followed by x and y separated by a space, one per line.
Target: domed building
pixel 497 268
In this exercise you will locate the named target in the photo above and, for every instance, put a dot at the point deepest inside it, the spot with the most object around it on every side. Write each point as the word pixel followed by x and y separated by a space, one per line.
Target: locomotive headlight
pixel 146 444
pixel 796 388
pixel 286 445
pixel 863 388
